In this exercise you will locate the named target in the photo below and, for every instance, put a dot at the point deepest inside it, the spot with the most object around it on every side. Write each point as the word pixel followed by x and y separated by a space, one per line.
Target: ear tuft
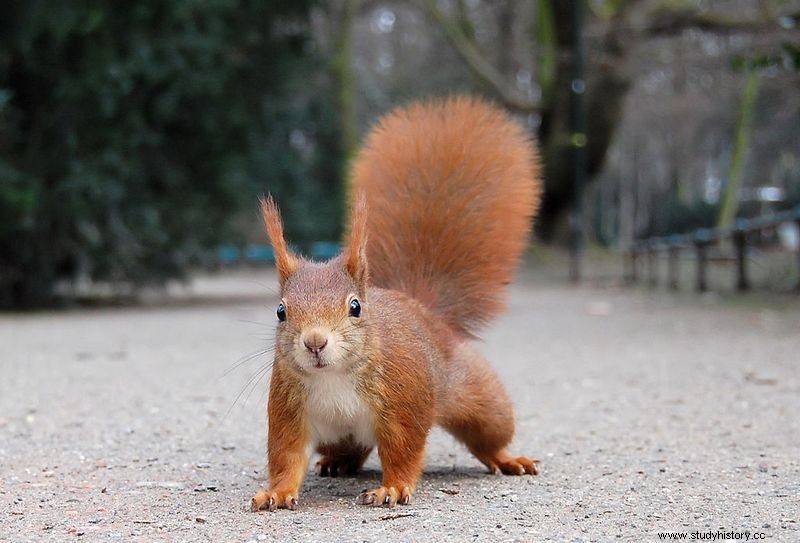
pixel 286 262
pixel 355 261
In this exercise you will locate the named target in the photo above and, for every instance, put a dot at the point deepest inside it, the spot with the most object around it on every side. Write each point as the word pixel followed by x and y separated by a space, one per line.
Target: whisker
pixel 260 335
pixel 248 357
pixel 255 322
pixel 258 373
pixel 255 385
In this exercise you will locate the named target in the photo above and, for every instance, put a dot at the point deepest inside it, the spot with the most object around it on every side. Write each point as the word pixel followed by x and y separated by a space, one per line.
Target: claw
pixel 386 496
pixel 366 498
pixel 271 500
pixel 509 465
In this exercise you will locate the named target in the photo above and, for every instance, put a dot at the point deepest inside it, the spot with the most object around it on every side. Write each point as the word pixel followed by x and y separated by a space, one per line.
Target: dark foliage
pixel 133 133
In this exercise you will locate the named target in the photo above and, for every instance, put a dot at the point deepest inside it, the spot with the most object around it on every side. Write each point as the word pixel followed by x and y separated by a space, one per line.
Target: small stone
pixel 160 484
pixel 206 488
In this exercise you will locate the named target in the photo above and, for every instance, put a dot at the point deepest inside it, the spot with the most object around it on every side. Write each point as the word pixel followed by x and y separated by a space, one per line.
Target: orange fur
pixel 452 187
pixel 446 191
pixel 285 261
pixel 355 253
pixel 288 440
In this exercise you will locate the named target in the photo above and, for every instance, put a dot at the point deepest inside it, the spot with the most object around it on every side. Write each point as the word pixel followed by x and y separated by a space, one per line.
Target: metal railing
pixel 701 242
pixel 263 254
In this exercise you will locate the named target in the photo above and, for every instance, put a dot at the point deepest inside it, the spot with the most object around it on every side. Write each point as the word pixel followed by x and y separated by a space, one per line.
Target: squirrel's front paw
pixel 273 499
pixel 385 496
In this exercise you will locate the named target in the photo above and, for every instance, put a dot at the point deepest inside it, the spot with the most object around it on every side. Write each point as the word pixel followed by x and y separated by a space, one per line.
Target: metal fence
pixel 701 242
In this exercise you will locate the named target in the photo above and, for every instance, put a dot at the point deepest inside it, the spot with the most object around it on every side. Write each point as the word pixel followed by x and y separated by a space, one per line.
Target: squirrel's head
pixel 323 312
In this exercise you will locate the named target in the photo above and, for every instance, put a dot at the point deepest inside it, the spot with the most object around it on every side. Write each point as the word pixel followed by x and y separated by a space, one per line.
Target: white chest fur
pixel 335 410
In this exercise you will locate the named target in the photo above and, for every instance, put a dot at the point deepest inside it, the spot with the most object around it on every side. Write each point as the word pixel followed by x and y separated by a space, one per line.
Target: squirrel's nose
pixel 315 341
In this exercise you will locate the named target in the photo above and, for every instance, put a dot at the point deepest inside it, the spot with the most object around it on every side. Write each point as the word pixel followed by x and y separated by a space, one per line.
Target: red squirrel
pixel 374 347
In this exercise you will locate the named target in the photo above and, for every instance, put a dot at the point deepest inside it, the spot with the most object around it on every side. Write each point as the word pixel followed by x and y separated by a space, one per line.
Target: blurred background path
pixel 650 413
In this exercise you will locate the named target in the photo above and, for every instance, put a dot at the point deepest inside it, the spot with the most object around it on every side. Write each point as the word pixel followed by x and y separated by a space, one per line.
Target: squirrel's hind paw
pixel 326 467
pixel 503 462
pixel 517 466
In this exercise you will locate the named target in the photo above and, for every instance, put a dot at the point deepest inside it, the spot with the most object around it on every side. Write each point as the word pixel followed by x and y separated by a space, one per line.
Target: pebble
pixel 160 484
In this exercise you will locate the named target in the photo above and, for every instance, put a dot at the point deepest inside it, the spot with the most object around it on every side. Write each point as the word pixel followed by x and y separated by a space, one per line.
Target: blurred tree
pixel 342 14
pixel 553 30
pixel 618 31
pixel 132 133
pixel 730 197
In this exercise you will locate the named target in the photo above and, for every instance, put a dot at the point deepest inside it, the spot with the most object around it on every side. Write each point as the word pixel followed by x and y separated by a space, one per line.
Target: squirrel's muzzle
pixel 315 340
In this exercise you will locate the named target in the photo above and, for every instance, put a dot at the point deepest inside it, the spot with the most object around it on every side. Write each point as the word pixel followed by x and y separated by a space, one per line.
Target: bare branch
pixel 666 20
pixel 468 50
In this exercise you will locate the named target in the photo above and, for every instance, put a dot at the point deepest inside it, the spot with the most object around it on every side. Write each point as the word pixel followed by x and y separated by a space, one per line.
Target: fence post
pixel 702 285
pixel 630 264
pixel 701 241
pixel 652 264
pixel 740 242
pixel 672 267
pixel 797 222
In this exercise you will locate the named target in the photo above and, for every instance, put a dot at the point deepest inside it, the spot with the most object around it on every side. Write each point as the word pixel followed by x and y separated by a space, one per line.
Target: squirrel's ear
pixel 355 255
pixel 286 262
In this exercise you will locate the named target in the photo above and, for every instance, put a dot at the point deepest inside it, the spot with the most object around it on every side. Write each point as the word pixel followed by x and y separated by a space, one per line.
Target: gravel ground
pixel 649 414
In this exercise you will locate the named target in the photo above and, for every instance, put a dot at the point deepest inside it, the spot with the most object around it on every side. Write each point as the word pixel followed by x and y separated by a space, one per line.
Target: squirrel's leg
pixel 479 413
pixel 344 458
pixel 288 446
pixel 401 447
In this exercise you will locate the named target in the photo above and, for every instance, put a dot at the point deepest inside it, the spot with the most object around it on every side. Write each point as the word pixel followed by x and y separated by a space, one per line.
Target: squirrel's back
pixel 452 187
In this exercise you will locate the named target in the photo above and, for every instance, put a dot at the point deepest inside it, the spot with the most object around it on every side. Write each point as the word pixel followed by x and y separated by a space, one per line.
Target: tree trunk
pixel 344 80
pixel 730 198
pixel 606 91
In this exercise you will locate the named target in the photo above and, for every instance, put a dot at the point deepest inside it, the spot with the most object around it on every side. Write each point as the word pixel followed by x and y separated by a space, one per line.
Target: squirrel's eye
pixel 355 308
pixel 281 312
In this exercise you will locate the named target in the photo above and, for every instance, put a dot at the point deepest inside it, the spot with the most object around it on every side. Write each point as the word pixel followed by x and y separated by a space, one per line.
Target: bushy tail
pixel 451 187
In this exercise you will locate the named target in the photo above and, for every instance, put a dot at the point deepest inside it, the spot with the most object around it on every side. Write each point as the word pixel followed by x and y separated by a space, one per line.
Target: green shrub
pixel 132 133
